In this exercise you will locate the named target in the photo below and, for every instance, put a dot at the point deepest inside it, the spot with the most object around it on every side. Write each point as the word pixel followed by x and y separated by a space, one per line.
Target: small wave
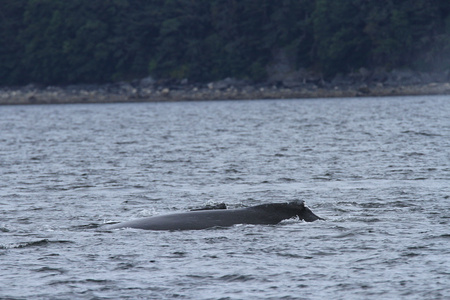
pixel 442 236
pixel 176 254
pixel 323 253
pixel 280 155
pixel 410 254
pixel 39 243
pixel 87 226
pixel 198 277
pixel 50 270
pixel 293 255
pixel 125 266
pixel 286 179
pixel 232 170
pixel 69 187
pixel 414 154
pixel 215 240
pixel 373 205
pixel 126 142
pixel 420 133
pixel 76 282
pixel 236 278
pixel 228 179
pixel 345 235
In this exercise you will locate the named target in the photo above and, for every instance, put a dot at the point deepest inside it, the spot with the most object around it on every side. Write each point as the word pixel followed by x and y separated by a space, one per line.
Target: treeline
pixel 95 41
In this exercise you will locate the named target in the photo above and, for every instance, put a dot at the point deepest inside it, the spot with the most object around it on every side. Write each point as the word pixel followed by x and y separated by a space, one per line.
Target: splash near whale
pixel 265 214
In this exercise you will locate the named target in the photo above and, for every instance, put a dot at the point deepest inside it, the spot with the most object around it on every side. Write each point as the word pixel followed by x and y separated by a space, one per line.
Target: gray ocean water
pixel 377 169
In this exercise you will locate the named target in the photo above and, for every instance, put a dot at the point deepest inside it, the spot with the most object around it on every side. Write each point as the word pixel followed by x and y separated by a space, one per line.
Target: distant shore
pixel 147 90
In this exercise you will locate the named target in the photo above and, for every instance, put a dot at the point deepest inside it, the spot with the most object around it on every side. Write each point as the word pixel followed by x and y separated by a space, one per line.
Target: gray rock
pixel 379 76
pixel 341 80
pixel 403 77
pixel 226 83
pixel 147 82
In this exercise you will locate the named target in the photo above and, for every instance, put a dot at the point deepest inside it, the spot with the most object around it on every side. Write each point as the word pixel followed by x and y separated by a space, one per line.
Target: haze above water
pixel 378 170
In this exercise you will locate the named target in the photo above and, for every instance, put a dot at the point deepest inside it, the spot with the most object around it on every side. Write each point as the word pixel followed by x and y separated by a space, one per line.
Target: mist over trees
pixel 97 41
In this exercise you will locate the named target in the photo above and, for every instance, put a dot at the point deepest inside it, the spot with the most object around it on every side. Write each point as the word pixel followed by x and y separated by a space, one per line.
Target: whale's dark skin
pixel 268 214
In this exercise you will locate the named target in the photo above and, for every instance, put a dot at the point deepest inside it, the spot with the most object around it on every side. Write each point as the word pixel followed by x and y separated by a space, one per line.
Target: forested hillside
pixel 95 41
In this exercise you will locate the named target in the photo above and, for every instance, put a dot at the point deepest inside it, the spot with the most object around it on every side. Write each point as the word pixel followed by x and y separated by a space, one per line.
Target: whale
pixel 264 214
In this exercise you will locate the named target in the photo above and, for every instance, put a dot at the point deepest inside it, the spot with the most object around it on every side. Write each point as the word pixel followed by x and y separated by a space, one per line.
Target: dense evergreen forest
pixel 97 41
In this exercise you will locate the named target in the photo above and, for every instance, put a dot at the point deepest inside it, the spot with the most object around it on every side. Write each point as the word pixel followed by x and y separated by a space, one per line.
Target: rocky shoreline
pixel 292 86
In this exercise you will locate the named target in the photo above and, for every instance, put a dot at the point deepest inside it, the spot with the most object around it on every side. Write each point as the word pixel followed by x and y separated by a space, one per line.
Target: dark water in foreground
pixel 377 169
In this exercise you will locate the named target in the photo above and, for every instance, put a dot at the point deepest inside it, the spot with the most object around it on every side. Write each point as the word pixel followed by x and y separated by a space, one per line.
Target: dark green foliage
pixel 401 30
pixel 90 41
pixel 11 50
pixel 334 23
pixel 94 41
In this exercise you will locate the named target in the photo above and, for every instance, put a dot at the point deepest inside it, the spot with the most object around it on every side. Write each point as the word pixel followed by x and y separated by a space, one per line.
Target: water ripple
pixel 377 169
